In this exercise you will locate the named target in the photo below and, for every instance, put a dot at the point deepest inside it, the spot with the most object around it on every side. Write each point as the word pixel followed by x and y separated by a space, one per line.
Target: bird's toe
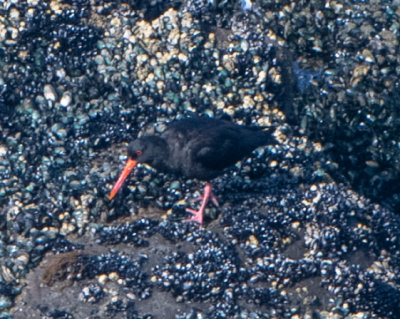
pixel 197 216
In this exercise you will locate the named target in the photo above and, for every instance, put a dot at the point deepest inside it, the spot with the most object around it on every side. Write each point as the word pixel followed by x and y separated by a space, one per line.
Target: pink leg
pixel 198 214
pixel 212 196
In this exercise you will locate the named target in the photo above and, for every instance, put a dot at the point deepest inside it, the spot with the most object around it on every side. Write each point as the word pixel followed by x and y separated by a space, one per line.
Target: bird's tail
pixel 276 134
pixel 266 137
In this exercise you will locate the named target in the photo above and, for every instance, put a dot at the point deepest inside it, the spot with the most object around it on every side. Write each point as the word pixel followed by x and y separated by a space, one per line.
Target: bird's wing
pixel 217 151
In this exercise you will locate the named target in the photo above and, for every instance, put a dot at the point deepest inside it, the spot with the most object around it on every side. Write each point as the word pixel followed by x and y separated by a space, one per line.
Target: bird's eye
pixel 138 153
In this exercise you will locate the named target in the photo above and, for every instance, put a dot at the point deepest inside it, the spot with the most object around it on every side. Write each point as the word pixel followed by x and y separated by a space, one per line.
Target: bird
pixel 195 148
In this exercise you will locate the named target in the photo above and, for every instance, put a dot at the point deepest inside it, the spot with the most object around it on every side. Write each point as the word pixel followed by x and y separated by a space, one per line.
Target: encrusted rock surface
pixel 307 229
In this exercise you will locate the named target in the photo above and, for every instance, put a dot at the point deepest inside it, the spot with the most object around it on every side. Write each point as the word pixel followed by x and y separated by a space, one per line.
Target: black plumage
pixel 195 148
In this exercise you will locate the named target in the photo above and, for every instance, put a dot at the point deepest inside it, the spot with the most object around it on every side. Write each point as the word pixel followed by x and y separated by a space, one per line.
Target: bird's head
pixel 135 150
pixel 147 149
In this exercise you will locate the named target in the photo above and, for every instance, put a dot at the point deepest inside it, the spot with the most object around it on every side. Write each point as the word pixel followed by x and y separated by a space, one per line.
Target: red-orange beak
pixel 130 164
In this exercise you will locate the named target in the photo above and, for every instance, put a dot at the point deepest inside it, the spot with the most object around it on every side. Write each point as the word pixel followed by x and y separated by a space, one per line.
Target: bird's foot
pixel 197 216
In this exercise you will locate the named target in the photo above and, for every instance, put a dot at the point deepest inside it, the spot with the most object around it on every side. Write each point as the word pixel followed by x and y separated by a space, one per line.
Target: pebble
pixel 49 93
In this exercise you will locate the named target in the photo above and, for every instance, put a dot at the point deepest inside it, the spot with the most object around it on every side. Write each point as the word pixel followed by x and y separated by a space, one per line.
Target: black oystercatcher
pixel 195 148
